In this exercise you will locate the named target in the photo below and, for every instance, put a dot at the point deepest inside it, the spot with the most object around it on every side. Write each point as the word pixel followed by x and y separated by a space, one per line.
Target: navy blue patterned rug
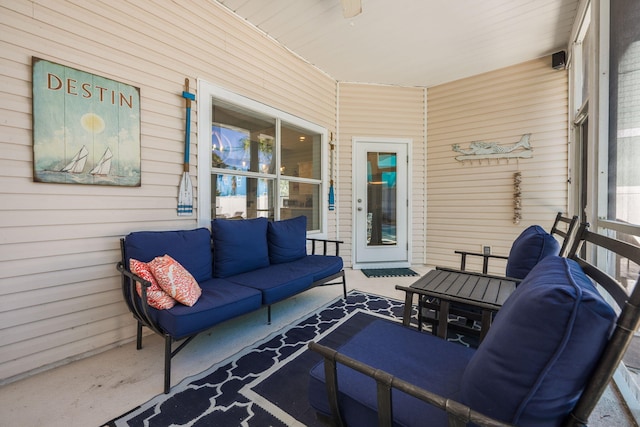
pixel 264 384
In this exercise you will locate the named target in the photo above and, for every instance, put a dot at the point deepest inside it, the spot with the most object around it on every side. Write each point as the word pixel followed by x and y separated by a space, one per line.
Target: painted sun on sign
pixel 86 128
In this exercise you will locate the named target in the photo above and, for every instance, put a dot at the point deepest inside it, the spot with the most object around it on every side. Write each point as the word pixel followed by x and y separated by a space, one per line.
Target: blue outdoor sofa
pixel 546 360
pixel 240 266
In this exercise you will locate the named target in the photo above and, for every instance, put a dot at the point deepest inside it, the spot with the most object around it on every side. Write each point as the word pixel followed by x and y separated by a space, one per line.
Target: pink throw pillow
pixel 156 297
pixel 175 280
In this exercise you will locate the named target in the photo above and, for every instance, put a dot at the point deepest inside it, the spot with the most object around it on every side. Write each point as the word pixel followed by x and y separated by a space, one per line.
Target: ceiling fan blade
pixel 351 8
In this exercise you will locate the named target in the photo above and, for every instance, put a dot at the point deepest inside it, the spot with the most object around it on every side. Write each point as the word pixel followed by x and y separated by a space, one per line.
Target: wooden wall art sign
pixel 86 128
pixel 481 150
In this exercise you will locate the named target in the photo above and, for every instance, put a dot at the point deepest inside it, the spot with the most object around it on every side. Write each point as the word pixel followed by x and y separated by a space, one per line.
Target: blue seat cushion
pixel 319 266
pixel 276 282
pixel 422 359
pixel 220 300
pixel 239 245
pixel 287 239
pixel 531 246
pixel 542 347
pixel 191 248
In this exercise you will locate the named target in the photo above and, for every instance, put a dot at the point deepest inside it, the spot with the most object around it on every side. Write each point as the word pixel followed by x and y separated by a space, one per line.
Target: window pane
pixel 242 140
pixel 301 153
pixel 298 199
pixel 252 149
pixel 236 196
pixel 624 132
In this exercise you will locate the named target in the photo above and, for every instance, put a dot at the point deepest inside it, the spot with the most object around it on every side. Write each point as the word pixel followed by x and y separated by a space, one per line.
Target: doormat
pixel 388 272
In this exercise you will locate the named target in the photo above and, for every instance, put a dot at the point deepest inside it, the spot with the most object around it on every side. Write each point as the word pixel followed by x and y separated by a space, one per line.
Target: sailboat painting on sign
pixel 76 165
pixel 104 164
pixel 86 128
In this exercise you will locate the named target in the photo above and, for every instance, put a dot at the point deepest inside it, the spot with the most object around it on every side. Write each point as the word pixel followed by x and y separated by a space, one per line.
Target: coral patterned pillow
pixel 175 280
pixel 156 297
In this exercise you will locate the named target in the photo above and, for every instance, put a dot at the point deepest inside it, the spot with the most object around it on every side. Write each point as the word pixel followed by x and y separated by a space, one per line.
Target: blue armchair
pixel 546 360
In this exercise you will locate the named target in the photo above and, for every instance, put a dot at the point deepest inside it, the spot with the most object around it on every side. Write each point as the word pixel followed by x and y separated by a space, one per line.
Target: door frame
pixel 408 142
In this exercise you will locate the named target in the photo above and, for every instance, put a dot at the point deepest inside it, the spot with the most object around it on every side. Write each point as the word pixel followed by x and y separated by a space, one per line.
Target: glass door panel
pixel 381 199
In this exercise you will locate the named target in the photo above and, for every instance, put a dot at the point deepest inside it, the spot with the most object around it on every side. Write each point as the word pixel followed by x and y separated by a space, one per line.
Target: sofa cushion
pixel 276 282
pixel 422 359
pixel 239 245
pixel 287 239
pixel 191 248
pixel 220 300
pixel 534 362
pixel 319 266
pixel 531 246
pixel 156 296
pixel 175 280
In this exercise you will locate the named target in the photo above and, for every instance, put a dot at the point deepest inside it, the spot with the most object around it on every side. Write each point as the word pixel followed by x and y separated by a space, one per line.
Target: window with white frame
pixel 261 162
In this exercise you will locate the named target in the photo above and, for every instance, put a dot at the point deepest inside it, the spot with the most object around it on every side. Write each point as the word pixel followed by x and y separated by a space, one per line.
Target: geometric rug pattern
pixel 235 392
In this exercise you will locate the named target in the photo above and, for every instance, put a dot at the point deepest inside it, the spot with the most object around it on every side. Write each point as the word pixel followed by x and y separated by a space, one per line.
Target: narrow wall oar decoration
pixel 185 193
pixel 332 199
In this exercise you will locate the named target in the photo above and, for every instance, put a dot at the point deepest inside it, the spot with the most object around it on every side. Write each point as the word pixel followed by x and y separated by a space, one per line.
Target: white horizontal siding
pixel 470 204
pixel 59 289
pixel 381 111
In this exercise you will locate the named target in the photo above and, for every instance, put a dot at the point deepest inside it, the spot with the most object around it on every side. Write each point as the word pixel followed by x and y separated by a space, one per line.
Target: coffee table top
pixel 466 287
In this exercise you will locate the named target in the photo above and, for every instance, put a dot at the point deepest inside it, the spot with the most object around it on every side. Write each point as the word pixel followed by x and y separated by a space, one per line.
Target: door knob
pixel 359 209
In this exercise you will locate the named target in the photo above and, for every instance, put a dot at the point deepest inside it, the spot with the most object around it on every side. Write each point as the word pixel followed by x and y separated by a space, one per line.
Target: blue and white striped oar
pixel 185 194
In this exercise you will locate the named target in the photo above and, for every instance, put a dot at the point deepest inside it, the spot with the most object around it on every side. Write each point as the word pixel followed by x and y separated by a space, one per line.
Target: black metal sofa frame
pixel 142 312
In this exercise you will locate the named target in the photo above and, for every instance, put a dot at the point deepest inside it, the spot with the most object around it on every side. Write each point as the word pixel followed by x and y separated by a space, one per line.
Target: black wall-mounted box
pixel 559 60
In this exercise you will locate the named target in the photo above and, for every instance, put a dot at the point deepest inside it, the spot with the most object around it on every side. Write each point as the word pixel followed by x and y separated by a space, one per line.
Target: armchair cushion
pixel 239 245
pixel 535 360
pixel 421 359
pixel 531 246
pixel 287 240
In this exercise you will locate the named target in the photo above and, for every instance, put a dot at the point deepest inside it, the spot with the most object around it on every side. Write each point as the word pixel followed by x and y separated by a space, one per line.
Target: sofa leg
pixel 167 364
pixel 268 314
pixel 139 336
pixel 344 285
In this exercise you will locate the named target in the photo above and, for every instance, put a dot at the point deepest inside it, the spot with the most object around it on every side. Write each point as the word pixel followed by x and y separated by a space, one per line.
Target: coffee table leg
pixel 485 324
pixel 443 318
pixel 408 305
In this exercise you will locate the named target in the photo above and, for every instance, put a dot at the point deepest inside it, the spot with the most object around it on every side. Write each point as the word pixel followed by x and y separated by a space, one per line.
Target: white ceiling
pixel 413 42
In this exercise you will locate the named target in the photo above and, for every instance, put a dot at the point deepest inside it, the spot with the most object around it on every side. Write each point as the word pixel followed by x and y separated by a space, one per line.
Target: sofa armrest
pixel 138 305
pixel 458 414
pixel 324 242
pixel 485 259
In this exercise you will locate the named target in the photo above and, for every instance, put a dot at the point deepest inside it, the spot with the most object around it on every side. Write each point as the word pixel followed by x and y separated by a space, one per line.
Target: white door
pixel 381 203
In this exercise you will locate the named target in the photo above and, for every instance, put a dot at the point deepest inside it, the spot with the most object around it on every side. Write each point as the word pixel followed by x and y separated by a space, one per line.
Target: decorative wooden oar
pixel 185 194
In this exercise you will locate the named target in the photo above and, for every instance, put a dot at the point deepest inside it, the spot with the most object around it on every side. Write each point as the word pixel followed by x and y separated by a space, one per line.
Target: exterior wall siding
pixel 59 288
pixel 471 204
pixel 381 111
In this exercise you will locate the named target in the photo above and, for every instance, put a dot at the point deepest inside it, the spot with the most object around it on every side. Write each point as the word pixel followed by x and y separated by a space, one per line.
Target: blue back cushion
pixel 542 347
pixel 287 240
pixel 239 245
pixel 531 246
pixel 191 248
